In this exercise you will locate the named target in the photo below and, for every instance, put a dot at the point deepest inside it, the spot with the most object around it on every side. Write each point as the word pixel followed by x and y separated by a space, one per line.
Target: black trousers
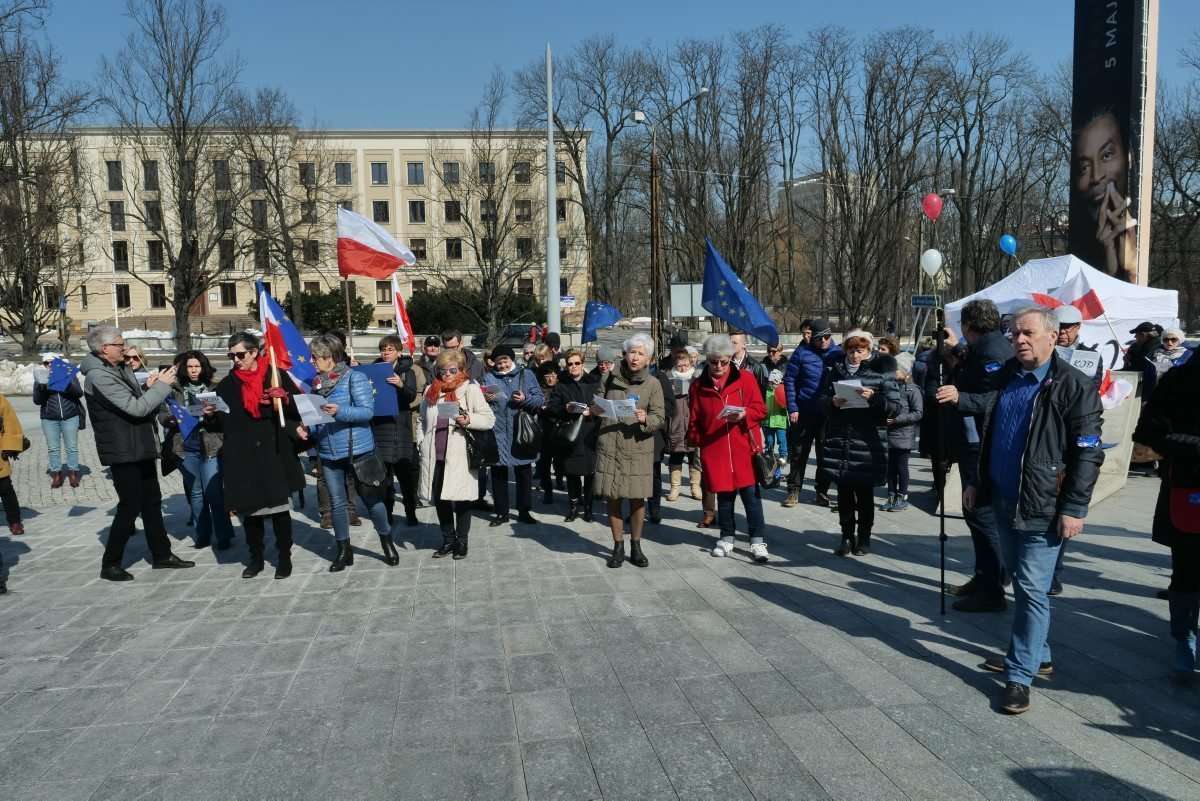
pixel 454 517
pixel 898 470
pixel 524 477
pixel 12 506
pixel 656 483
pixel 579 488
pixel 801 438
pixel 406 472
pixel 138 494
pixel 256 532
pixel 856 499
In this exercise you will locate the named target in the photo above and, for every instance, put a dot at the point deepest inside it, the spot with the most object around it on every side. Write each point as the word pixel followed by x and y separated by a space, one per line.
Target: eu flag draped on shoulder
pixel 597 315
pixel 61 374
pixel 727 298
pixel 283 340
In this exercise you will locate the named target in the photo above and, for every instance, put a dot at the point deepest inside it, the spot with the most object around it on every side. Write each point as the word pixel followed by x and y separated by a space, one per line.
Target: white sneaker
pixel 722 548
pixel 758 550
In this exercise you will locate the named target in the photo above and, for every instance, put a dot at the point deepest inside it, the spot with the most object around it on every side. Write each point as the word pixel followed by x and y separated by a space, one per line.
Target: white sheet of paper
pixel 309 407
pixel 41 375
pixel 211 398
pixel 447 410
pixel 1085 361
pixel 615 409
pixel 848 390
pixel 140 376
pixel 730 410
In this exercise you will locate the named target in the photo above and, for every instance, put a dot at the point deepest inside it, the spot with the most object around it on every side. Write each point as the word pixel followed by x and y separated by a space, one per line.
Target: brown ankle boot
pixel 73 477
pixel 56 479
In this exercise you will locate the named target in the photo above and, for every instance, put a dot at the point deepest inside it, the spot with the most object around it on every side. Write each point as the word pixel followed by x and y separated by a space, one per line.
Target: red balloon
pixel 932 204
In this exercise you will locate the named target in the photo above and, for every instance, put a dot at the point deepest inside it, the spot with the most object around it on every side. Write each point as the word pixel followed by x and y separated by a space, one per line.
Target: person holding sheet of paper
pixel 569 402
pixel 856 445
pixel 259 462
pixel 199 450
pixel 511 389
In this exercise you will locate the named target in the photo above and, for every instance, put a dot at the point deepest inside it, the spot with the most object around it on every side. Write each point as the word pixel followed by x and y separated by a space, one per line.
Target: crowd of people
pixel 1019 423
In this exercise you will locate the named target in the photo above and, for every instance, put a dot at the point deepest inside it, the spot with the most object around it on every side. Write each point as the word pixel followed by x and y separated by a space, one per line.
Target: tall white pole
pixel 553 312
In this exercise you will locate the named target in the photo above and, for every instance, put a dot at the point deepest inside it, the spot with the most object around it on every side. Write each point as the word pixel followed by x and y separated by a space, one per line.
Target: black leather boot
pixel 848 546
pixel 390 554
pixel 343 557
pixel 460 548
pixel 618 554
pixel 587 511
pixel 255 544
pixel 864 544
pixel 447 548
pixel 572 510
pixel 636 557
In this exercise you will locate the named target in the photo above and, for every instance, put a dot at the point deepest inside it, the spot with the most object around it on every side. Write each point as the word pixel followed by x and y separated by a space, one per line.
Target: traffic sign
pixel 926 301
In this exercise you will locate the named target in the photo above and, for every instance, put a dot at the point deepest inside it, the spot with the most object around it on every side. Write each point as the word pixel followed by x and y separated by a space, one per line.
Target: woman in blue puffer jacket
pixel 510 389
pixel 350 401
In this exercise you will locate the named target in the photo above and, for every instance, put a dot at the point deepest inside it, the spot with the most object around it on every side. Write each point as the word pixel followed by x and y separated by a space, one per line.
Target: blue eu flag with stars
pixel 187 423
pixel 727 298
pixel 597 315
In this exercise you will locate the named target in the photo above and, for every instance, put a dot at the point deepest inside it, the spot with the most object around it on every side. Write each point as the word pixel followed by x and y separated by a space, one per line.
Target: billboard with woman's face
pixel 1109 132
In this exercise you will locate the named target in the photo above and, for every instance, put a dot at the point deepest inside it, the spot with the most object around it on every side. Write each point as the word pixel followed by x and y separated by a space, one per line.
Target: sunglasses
pixel 574 364
pixel 238 355
pixel 448 371
pixel 133 358
pixel 718 362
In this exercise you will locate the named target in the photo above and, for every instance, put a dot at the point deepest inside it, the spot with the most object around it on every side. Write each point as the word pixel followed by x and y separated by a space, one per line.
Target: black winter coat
pixel 855 449
pixel 579 457
pixel 1169 424
pixel 60 405
pixel 394 435
pixel 978 371
pixel 258 457
pixel 663 434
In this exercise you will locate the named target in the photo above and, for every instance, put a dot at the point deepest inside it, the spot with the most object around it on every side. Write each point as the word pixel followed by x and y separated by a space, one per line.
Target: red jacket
pixel 725 447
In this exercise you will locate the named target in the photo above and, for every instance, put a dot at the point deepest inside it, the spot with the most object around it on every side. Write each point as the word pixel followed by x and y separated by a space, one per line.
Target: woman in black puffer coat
pixel 578 456
pixel 394 435
pixel 855 450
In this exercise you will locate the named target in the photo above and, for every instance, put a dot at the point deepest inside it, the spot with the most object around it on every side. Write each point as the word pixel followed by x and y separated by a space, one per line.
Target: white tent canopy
pixel 1067 278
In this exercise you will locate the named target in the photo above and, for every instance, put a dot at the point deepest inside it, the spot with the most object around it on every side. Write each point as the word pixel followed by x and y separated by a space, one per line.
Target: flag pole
pixel 275 385
pixel 349 325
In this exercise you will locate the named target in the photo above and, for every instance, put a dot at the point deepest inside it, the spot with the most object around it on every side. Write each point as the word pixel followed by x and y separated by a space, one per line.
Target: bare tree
pixel 170 92
pixel 292 188
pixel 43 228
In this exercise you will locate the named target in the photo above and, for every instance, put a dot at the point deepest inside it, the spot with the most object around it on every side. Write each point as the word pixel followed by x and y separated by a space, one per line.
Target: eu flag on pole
pixel 597 315
pixel 187 423
pixel 61 374
pixel 728 299
pixel 284 340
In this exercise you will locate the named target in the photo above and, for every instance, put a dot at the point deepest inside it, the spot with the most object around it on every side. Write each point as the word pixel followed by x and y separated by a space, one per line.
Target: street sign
pixel 566 301
pixel 926 301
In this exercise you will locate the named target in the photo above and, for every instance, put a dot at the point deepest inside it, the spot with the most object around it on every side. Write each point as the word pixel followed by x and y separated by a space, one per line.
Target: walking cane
pixel 939 338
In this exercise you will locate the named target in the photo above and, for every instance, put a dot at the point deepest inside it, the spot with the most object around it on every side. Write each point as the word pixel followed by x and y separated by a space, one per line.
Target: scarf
pixel 444 388
pixel 326 382
pixel 190 391
pixel 252 388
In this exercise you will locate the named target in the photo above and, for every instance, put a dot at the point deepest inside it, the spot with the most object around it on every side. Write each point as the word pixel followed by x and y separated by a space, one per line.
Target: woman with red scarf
pixel 259 456
pixel 452 405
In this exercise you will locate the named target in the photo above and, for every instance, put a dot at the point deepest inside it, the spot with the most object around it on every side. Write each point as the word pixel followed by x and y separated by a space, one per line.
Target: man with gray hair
pixel 123 421
pixel 1039 459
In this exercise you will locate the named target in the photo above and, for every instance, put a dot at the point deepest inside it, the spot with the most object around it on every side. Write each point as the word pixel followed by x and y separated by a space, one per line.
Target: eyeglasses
pixel 718 362
pixel 1170 339
pixel 574 364
pixel 448 371
pixel 237 356
pixel 113 345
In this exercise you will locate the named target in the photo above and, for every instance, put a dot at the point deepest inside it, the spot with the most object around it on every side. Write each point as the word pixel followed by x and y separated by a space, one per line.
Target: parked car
pixel 514 335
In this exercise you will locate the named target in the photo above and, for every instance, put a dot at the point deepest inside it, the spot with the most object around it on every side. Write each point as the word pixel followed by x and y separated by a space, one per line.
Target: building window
pixel 454 249
pixel 525 286
pixel 562 248
pixel 228 294
pixel 120 253
pixel 158 296
pixel 417 246
pixel 115 184
pixel 348 205
pixel 225 255
pixel 258 213
pixel 224 208
pixel 50 296
pixel 487 172
pixel 312 251
pixel 560 209
pixel 416 173
pixel 455 284
pixel 524 247
pixel 116 214
pixel 308 173
pixel 560 172
pixel 221 179
pixel 258 175
pixel 262 256
pixel 524 209
pixel 487 211
pixel 416 211
pixel 308 212
pixel 83 297
pixel 342 173
pixel 379 211
pixel 563 289
pixel 450 173
pixel 453 211
pixel 155 255
pixel 312 287
pixel 150 176
pixel 487 248
pixel 521 172
pixel 383 293
pixel 154 215
pixel 419 285
pixel 379 173
pixel 122 293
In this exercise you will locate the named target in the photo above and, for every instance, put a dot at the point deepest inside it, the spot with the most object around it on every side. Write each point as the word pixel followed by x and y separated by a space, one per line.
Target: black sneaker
pixel 980 603
pixel 172 562
pixel 1015 699
pixel 1056 587
pixel 995 664
pixel 962 590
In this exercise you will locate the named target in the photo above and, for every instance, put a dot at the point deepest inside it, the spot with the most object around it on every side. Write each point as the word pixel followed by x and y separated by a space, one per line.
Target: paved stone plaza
pixel 532 671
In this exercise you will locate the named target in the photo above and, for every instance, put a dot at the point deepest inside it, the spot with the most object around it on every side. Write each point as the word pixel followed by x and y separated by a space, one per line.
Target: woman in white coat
pixel 446 475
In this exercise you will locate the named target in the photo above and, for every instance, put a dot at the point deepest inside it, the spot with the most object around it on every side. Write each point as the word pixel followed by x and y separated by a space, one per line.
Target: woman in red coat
pixel 726 409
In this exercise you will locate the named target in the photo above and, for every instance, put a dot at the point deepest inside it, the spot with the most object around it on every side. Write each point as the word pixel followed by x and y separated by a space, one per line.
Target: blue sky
pixel 424 64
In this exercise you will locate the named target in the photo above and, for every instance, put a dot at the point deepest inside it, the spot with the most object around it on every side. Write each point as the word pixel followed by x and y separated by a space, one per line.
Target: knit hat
pixel 820 327
pixel 503 350
pixel 775 377
pixel 884 363
pixel 858 333
pixel 607 353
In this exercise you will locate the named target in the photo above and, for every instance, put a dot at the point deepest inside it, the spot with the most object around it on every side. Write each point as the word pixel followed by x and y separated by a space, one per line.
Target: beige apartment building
pixel 428 188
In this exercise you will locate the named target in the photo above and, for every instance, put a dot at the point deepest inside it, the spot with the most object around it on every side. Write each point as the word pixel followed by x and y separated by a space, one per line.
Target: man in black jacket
pixel 979 365
pixel 1039 459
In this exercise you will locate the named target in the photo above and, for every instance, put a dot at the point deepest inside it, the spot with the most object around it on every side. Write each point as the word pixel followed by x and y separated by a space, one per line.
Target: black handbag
pixel 481 448
pixel 527 430
pixel 368 468
pixel 568 432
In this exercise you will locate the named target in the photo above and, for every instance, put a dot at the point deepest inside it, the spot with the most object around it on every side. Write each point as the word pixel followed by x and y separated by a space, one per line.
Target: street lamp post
pixel 656 289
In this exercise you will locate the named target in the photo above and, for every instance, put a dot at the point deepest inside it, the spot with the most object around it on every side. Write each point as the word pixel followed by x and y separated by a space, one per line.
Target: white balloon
pixel 931 262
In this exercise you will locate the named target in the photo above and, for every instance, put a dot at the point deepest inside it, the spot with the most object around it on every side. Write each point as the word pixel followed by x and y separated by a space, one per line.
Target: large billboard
pixel 1112 135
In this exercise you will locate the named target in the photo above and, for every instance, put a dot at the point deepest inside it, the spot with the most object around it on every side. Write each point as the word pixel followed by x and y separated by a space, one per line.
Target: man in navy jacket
pixel 802 383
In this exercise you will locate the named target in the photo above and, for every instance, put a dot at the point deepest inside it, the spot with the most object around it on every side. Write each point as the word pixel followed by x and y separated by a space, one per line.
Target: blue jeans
pixel 68 430
pixel 202 486
pixel 1029 557
pixel 335 480
pixel 776 441
pixel 751 502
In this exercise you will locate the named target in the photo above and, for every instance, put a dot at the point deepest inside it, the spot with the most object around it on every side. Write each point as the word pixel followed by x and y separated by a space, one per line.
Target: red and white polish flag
pixel 403 326
pixel 364 248
pixel 1075 293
